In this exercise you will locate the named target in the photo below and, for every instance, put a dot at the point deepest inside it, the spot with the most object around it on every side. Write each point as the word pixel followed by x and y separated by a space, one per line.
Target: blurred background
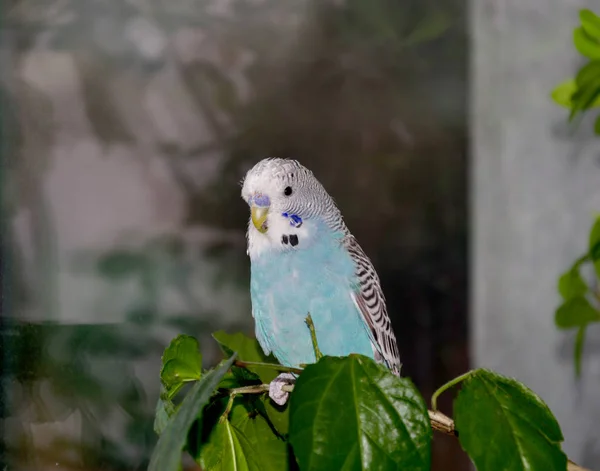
pixel 127 127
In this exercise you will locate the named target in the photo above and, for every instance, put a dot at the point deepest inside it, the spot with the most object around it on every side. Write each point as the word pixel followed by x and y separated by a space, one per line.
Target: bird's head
pixel 285 200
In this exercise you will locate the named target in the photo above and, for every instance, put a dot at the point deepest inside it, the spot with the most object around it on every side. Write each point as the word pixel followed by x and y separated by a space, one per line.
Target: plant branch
pixel 447 386
pixel 258 389
pixel 313 337
pixel 273 366
pixel 444 424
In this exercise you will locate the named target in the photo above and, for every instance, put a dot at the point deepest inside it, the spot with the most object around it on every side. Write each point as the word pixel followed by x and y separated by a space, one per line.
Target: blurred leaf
pixel 579 341
pixel 575 312
pixel 590 23
pixel 352 413
pixel 597 124
pixel 562 94
pixel 248 349
pixel 119 264
pixel 586 44
pixel 571 284
pixel 589 75
pixel 182 362
pixel 504 425
pixel 588 88
pixel 167 453
pixel 431 27
pixel 595 242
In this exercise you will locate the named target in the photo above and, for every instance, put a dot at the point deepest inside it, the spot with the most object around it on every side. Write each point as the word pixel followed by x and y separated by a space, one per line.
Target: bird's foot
pixel 278 390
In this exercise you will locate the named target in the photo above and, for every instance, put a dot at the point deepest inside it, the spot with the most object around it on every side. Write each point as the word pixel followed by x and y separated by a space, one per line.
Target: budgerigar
pixel 305 260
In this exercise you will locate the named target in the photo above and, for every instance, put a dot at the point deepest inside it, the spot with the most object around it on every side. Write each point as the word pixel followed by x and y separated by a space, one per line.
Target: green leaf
pixel 167 453
pixel 504 425
pixel 228 449
pixel 595 241
pixel 597 126
pixel 352 413
pixel 164 411
pixel 579 341
pixel 563 94
pixel 571 284
pixel 271 451
pixel 586 44
pixel 182 362
pixel 588 88
pixel 590 23
pixel 589 75
pixel 279 416
pixel 575 312
pixel 176 372
pixel 244 440
pixel 248 349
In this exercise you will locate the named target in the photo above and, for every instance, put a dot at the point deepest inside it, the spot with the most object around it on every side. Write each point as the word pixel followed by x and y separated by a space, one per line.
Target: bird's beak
pixel 259 217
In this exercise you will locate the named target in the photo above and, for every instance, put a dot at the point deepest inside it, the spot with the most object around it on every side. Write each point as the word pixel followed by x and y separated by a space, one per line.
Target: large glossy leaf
pixel 351 413
pixel 576 312
pixel 504 425
pixel 248 349
pixel 167 453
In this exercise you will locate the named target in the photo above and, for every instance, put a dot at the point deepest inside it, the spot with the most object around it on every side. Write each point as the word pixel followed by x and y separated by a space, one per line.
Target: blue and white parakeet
pixel 305 260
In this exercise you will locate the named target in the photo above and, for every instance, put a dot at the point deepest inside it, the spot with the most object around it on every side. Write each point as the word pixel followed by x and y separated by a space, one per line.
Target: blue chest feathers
pixel 316 277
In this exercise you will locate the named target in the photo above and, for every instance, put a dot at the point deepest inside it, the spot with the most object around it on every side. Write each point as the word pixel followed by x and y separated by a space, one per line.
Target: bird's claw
pixel 276 391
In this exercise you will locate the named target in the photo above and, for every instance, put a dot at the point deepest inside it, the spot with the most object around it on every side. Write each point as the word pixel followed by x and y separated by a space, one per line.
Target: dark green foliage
pixel 351 413
pixel 503 425
pixel 167 454
pixel 580 306
pixel 583 93
pixel 347 413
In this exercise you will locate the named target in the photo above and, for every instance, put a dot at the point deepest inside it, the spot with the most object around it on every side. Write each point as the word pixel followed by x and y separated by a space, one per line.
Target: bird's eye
pixel 287 191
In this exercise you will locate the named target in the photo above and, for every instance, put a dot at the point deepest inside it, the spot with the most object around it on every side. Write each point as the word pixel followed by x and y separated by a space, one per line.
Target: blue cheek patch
pixel 295 220
pixel 261 200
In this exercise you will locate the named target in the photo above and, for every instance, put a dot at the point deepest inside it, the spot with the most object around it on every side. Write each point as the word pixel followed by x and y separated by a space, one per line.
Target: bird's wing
pixel 370 301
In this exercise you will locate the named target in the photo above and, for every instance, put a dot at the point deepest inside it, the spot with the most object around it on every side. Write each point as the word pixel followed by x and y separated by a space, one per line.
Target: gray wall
pixel 535 189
